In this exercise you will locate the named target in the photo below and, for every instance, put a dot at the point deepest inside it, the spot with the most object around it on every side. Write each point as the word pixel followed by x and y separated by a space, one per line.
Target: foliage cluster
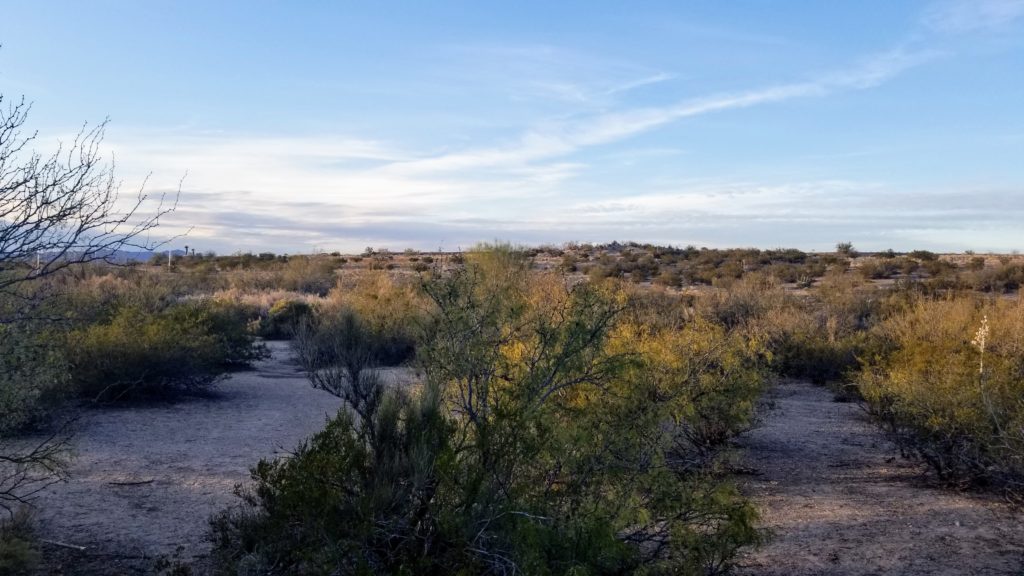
pixel 948 382
pixel 139 353
pixel 556 431
pixel 283 319
pixel 18 549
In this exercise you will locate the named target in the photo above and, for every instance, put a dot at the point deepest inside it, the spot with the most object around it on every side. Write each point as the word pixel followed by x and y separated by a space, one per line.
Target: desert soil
pixel 840 500
pixel 146 479
pixel 836 496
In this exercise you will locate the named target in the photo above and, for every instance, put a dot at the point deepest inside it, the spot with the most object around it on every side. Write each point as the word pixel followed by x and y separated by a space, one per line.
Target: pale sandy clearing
pixel 841 502
pixel 188 455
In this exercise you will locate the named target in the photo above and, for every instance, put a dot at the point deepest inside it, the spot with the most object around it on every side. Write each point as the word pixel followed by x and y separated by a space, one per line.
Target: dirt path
pixel 146 479
pixel 840 501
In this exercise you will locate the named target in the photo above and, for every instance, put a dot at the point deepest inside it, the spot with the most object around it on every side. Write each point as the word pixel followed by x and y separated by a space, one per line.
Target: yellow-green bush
pixel 283 319
pixel 949 383
pixel 392 308
pixel 822 337
pixel 139 353
pixel 553 434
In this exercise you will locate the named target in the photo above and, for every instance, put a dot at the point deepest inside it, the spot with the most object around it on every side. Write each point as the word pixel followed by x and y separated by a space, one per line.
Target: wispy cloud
pixel 355 184
pixel 961 16
pixel 640 82
pixel 809 214
pixel 547 72
pixel 560 138
pixel 243 190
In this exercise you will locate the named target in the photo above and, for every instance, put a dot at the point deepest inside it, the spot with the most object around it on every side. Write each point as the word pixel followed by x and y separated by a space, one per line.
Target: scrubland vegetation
pixel 557 430
pixel 947 379
pixel 574 408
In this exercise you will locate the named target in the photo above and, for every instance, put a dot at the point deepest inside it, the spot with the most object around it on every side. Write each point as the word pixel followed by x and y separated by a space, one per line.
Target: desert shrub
pixel 850 305
pixel 346 502
pixel 976 263
pixel 308 274
pixel 33 376
pixel 283 319
pixel 33 380
pixel 393 308
pixel 339 351
pixel 907 265
pixel 785 272
pixel 1007 278
pixel 229 324
pixel 136 353
pixel 553 434
pixel 938 268
pixel 879 268
pixel 18 552
pixel 923 255
pixel 669 279
pixel 832 331
pixel 569 262
pixel 98 296
pixel 948 385
pixel 714 373
pixel 805 349
pixel 818 337
pixel 741 303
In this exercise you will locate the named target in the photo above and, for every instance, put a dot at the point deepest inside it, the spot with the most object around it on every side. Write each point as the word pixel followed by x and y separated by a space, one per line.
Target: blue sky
pixel 331 125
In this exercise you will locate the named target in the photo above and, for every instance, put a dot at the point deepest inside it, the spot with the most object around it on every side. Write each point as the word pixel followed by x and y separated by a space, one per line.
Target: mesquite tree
pixel 64 209
pixel 57 211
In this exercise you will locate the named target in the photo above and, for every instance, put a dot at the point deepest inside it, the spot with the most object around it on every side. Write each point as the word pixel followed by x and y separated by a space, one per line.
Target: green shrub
pixel 33 382
pixel 33 376
pixel 18 552
pixel 283 319
pixel 923 255
pixel 948 384
pixel 553 434
pixel 184 348
pixel 393 310
pixel 808 353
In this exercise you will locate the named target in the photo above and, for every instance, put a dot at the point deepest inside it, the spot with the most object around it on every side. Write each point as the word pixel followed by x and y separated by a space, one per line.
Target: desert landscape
pixel 803 441
pixel 511 289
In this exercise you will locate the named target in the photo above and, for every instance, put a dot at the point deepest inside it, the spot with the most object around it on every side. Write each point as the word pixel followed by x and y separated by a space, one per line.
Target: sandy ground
pixel 188 455
pixel 834 493
pixel 840 501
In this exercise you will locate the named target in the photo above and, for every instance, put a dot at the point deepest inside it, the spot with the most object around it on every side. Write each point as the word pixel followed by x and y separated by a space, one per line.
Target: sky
pixel 320 126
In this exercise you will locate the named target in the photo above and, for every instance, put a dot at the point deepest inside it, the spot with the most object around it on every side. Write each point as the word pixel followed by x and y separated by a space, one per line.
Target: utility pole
pixel 168 259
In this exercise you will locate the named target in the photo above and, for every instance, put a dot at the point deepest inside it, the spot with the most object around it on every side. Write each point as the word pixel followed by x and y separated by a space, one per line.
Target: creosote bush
pixel 553 433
